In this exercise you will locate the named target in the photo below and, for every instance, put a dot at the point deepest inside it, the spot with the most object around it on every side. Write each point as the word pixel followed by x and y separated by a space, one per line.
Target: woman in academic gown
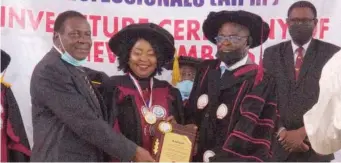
pixel 138 98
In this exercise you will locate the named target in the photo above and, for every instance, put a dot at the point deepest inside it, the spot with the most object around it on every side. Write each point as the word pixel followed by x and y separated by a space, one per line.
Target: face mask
pixel 301 33
pixel 185 88
pixel 231 57
pixel 68 58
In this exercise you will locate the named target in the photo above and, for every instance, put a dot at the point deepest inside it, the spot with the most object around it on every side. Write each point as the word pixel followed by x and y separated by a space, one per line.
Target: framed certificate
pixel 174 142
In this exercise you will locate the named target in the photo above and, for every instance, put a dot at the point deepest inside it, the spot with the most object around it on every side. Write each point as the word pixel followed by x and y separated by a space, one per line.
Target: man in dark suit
pixel 297 66
pixel 69 121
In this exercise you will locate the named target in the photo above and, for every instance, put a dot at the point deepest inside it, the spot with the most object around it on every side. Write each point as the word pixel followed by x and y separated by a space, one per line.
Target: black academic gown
pixel 246 132
pixel 14 143
pixel 121 95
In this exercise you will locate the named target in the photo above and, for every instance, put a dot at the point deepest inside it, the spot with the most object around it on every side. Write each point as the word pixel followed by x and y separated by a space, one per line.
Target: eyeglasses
pixel 301 21
pixel 233 39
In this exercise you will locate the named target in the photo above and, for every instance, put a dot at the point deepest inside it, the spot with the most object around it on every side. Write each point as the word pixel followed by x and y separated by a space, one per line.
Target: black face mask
pixel 301 33
pixel 231 57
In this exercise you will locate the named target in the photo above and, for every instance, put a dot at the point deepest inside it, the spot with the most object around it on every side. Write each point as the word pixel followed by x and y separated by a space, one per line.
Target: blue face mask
pixel 68 58
pixel 185 88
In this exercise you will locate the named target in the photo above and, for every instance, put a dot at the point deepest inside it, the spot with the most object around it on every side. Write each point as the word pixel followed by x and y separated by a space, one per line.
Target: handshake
pixel 143 155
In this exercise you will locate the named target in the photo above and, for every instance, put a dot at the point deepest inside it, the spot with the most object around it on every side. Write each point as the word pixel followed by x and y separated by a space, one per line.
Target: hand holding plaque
pixel 173 142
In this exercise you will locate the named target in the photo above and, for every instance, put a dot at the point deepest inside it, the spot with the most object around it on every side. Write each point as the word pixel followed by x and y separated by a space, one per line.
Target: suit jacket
pixel 70 123
pixel 297 97
pixel 97 78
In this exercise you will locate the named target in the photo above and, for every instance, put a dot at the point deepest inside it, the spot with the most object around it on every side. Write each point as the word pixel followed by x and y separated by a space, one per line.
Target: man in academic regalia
pixel 188 69
pixel 14 143
pixel 296 65
pixel 233 102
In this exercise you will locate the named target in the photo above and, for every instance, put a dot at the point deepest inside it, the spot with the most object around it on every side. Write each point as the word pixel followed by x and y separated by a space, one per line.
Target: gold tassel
pixel 8 85
pixel 176 77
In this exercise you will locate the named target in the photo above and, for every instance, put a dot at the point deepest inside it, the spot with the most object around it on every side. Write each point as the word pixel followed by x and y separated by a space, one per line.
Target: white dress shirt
pixel 238 64
pixel 323 121
pixel 295 47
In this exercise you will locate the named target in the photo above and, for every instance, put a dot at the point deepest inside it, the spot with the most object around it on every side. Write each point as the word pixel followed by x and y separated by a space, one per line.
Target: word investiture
pixel 188 3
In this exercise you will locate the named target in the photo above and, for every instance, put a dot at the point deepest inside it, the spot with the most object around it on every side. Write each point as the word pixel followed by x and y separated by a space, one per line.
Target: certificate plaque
pixel 173 142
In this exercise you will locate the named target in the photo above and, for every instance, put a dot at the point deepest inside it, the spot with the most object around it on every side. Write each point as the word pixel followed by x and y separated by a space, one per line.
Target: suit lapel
pixel 288 56
pixel 79 80
pixel 308 60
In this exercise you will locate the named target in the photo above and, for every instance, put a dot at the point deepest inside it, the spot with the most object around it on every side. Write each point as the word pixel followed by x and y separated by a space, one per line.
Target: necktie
pixel 222 69
pixel 87 81
pixel 92 91
pixel 299 62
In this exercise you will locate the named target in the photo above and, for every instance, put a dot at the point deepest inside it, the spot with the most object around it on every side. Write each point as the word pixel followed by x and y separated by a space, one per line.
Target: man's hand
pixel 292 140
pixel 303 147
pixel 142 155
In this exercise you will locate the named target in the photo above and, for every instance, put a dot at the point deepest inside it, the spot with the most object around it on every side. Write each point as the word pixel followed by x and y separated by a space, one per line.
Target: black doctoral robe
pixel 246 132
pixel 121 95
pixel 14 143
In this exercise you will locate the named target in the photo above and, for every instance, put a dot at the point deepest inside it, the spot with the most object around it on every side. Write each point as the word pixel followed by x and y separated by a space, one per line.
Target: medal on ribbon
pixel 148 114
pixel 165 127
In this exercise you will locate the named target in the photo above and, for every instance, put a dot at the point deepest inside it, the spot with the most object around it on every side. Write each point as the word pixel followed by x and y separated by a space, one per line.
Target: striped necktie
pixel 299 62
pixel 222 70
pixel 89 85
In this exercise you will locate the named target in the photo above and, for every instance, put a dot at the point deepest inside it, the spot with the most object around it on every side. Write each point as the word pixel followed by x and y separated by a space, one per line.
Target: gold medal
pixel 144 110
pixel 150 118
pixel 165 127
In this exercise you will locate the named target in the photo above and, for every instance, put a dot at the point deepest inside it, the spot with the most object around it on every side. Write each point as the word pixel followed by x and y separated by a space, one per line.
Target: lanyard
pixel 138 87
